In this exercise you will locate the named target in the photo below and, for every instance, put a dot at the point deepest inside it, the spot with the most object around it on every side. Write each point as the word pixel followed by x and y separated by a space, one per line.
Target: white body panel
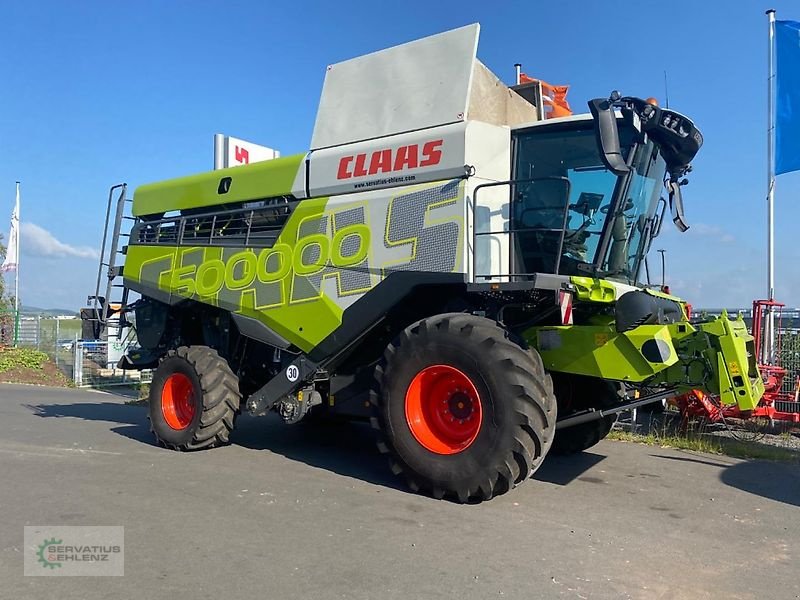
pixel 423 112
pixel 434 154
pixel 413 86
pixel 415 227
pixel 479 149
pixel 488 150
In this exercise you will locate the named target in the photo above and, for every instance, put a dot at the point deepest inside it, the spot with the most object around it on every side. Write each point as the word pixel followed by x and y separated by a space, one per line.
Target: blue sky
pixel 95 93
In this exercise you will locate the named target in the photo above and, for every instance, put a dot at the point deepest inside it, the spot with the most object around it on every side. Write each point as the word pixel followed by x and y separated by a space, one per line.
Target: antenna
pixel 666 90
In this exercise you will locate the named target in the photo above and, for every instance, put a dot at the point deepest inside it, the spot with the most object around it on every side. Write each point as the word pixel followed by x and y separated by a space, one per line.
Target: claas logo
pixel 391 160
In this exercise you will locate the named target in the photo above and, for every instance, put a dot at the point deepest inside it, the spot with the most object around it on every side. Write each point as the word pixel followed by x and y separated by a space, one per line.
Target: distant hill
pixel 47 312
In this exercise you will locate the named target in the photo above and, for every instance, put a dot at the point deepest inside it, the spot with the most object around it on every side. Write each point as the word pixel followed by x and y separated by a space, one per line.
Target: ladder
pixel 102 308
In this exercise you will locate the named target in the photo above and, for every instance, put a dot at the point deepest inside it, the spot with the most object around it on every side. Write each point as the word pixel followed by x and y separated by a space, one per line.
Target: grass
pixel 709 444
pixel 21 358
pixel 696 443
pixel 136 402
pixel 26 365
pixel 143 393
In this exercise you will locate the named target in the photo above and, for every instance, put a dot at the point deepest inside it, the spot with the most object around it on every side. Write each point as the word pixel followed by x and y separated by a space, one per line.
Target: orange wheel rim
pixel 177 401
pixel 443 409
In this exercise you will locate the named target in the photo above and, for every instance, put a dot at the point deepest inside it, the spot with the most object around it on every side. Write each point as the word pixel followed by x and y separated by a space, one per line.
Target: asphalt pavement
pixel 313 512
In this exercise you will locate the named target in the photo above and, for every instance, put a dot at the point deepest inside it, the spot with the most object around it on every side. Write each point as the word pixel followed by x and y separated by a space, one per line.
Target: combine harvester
pixel 468 279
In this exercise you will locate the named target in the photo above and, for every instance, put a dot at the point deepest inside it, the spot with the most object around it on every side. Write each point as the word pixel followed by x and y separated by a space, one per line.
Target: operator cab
pixel 587 190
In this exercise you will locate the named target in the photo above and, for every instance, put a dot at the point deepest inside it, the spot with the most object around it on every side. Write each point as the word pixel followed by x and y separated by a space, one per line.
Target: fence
pixel 53 336
pixel 86 363
pixel 95 365
pixel 788 351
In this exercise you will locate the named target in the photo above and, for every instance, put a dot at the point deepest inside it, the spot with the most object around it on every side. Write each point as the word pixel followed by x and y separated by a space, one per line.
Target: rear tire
pixel 194 399
pixel 576 393
pixel 462 411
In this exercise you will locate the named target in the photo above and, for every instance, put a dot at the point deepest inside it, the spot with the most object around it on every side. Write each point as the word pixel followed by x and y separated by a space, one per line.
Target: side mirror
pixel 607 135
pixel 676 206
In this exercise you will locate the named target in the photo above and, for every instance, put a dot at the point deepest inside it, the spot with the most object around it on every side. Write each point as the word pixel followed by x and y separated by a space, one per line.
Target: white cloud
pixel 698 231
pixel 712 231
pixel 37 241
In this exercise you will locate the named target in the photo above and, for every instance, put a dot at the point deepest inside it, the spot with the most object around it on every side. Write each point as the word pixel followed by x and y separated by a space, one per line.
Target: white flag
pixel 11 261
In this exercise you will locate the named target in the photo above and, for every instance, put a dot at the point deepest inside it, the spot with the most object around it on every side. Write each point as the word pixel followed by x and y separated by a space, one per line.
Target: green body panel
pixel 159 259
pixel 589 289
pixel 219 276
pixel 720 359
pixel 594 290
pixel 265 179
pixel 304 322
pixel 599 351
pixel 715 356
pixel 330 252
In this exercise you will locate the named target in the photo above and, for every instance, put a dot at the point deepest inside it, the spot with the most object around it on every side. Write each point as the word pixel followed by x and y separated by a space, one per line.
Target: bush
pixel 12 358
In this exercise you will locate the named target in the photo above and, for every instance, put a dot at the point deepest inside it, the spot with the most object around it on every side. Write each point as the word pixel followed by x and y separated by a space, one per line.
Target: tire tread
pixel 533 404
pixel 221 398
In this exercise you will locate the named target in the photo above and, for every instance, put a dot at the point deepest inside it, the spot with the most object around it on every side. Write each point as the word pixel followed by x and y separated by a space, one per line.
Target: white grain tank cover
pixel 421 84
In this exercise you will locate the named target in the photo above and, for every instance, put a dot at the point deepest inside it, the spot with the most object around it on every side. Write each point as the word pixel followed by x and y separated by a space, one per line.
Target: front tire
pixel 194 399
pixel 462 410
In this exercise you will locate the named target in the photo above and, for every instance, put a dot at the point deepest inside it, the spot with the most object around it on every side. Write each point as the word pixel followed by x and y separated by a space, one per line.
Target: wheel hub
pixel 443 409
pixel 177 401
pixel 460 405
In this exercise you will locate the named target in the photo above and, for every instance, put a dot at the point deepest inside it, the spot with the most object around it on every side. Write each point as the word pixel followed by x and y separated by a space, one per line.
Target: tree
pixel 4 300
pixel 6 317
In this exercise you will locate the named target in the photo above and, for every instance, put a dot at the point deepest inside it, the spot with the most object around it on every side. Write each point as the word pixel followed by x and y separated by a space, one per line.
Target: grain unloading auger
pixel 467 278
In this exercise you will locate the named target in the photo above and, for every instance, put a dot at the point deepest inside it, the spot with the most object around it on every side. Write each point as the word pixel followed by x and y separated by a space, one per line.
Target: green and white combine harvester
pixel 466 276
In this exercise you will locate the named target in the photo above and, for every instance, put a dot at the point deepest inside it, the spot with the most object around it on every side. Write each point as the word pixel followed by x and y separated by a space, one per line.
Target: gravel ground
pixel 780 434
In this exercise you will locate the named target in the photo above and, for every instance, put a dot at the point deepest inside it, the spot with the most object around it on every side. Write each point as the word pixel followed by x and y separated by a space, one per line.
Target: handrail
pixel 512 183
pixel 102 316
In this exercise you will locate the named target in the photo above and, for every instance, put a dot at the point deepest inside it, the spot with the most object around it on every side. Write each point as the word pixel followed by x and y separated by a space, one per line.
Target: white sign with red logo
pixel 233 152
pixel 430 155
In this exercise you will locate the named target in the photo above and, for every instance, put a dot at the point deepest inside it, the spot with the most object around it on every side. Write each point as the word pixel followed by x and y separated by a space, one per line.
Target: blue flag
pixel 787 105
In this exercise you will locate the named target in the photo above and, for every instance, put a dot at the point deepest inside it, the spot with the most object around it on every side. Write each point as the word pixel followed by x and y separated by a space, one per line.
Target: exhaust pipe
pixel 518 72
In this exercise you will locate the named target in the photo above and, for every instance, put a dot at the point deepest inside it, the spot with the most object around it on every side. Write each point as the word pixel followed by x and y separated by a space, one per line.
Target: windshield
pixel 567 209
pixel 558 215
pixel 631 221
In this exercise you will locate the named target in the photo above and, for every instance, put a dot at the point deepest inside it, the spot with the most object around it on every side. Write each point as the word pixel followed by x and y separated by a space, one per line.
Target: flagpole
pixel 769 341
pixel 16 276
